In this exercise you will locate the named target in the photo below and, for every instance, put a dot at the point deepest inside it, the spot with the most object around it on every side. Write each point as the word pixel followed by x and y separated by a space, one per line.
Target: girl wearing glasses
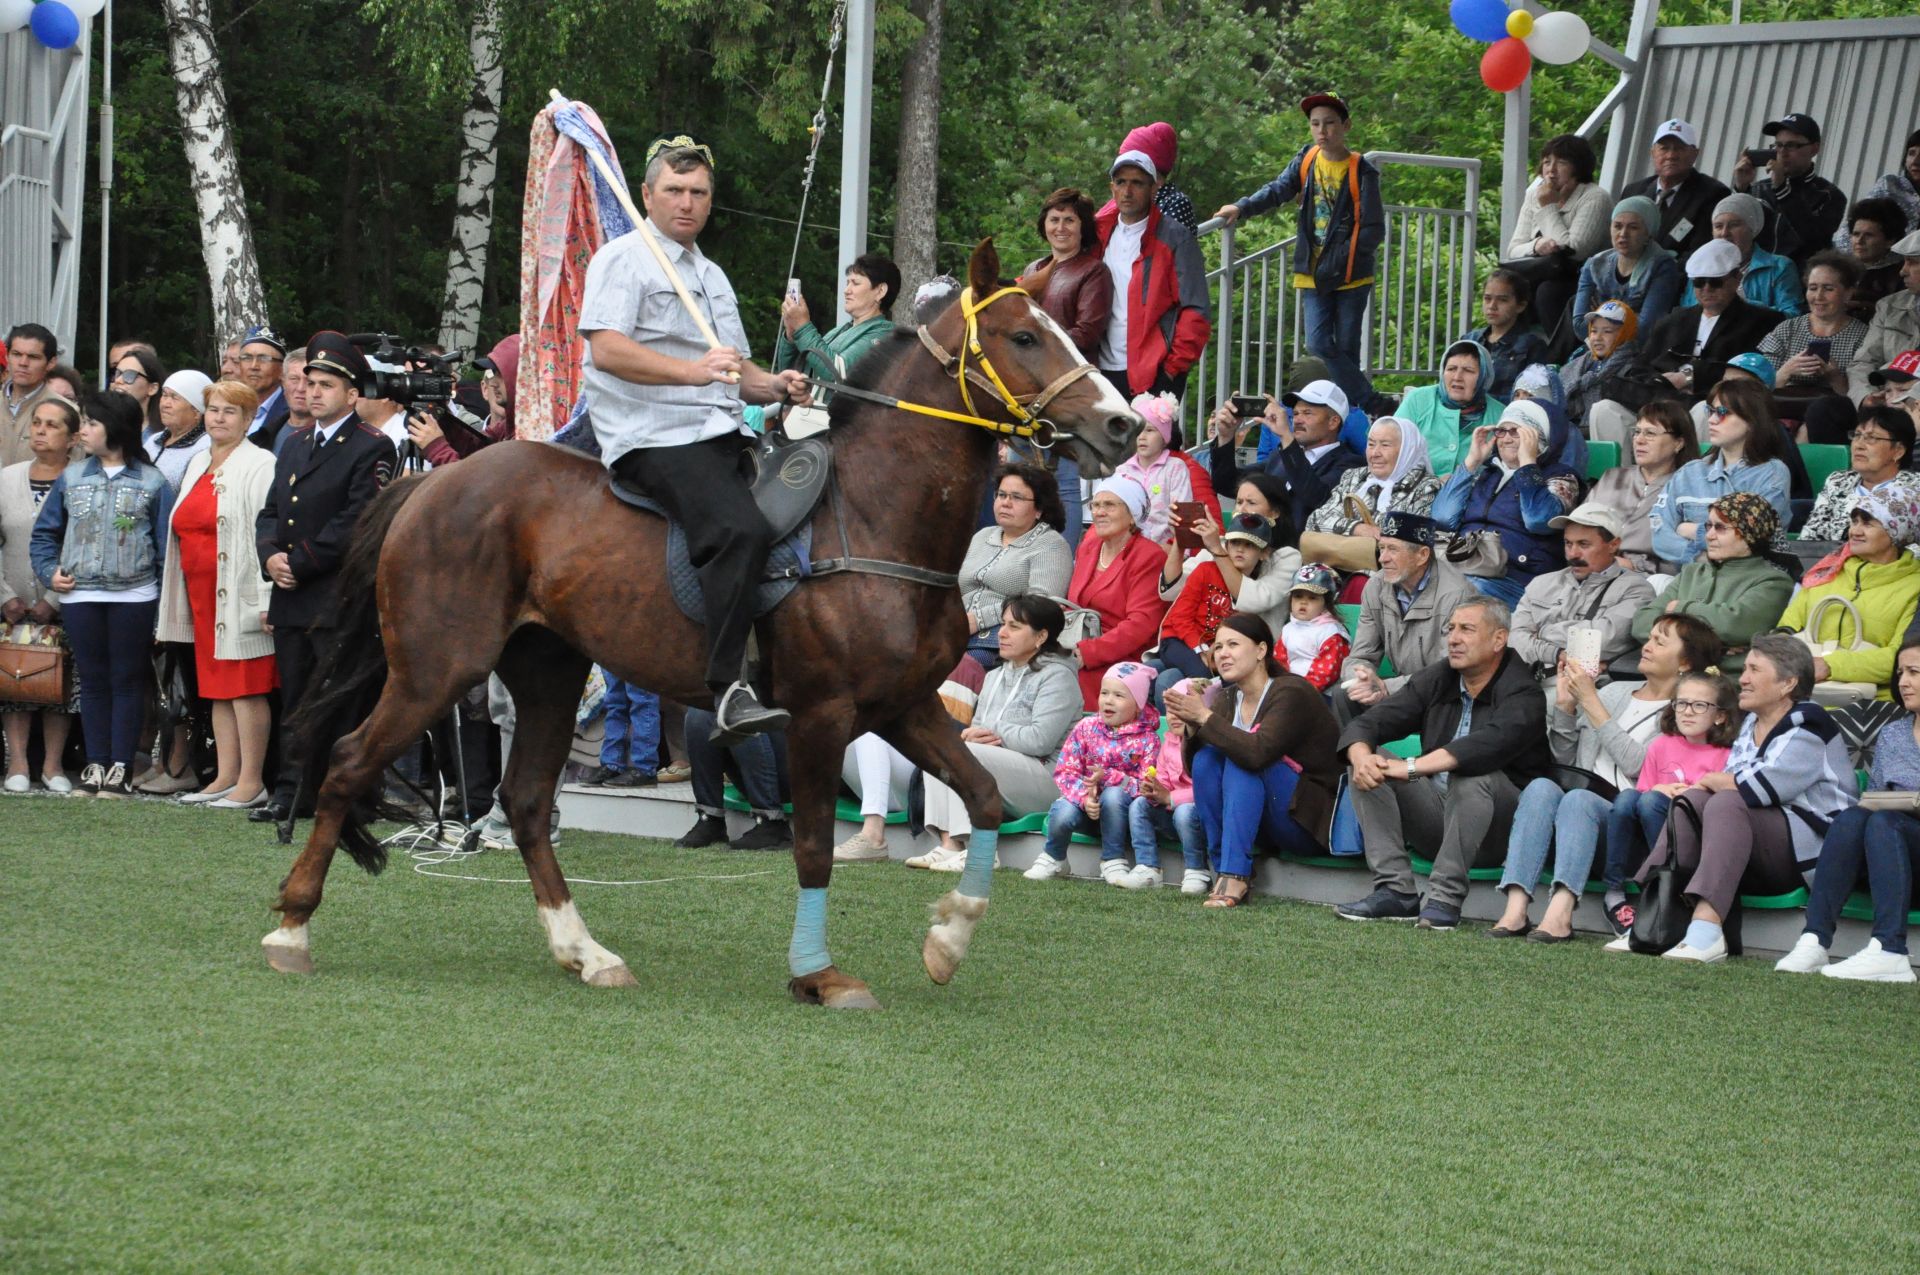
pixel 1747 445
pixel 139 375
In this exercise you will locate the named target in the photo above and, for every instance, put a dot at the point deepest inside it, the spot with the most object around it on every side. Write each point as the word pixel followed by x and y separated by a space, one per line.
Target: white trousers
pixel 1026 788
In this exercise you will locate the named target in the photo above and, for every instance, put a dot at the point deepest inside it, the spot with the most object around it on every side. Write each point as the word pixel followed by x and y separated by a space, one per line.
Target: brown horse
pixel 520 560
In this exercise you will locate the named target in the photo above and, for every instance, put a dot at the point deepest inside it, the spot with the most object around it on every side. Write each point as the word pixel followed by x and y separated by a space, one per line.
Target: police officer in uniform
pixel 322 482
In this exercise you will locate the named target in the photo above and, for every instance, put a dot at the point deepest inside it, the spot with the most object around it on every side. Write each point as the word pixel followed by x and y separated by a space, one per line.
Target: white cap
pixel 1713 259
pixel 1133 159
pixel 1320 393
pixel 190 385
pixel 1687 133
pixel 1590 514
pixel 1908 247
pixel 1529 413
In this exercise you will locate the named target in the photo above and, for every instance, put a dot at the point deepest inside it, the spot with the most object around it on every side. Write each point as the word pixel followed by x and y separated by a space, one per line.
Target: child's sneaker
pixel 1115 872
pixel 1045 868
pixel 1141 878
pixel 1196 881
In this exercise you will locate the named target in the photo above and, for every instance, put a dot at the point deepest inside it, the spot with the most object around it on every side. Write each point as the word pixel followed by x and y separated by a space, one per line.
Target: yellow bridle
pixel 1025 409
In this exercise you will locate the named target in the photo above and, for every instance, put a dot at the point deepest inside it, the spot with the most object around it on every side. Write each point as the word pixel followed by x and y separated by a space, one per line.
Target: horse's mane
pixel 871 368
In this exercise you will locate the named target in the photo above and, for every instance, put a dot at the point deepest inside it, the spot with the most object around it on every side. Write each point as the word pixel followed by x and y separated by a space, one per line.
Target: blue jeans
pixel 1065 818
pixel 1149 821
pixel 1334 323
pixel 1885 846
pixel 1175 660
pixel 1570 822
pixel 1066 472
pixel 755 766
pixel 1239 807
pixel 1508 591
pixel 113 657
pixel 1632 829
pixel 632 741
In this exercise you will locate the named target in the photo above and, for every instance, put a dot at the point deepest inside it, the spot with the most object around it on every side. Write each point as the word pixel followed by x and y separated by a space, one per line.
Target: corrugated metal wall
pixel 40 182
pixel 1859 79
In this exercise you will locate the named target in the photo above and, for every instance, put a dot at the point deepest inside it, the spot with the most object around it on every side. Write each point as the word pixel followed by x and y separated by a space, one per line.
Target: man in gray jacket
pixel 1403 615
pixel 1894 330
pixel 1594 588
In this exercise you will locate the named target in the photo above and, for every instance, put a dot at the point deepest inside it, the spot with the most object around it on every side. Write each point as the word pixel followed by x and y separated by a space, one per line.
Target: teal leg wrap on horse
pixel 807 954
pixel 976 879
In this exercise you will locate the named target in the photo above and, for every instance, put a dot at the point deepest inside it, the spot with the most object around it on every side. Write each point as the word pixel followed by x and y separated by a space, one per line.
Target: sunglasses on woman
pixel 128 375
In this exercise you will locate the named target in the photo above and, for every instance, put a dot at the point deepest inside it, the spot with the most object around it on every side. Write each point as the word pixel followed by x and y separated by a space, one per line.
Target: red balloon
pixel 1506 64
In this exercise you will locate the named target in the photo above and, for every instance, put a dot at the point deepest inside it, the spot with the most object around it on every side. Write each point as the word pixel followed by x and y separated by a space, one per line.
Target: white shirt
pixel 1123 249
pixel 1706 330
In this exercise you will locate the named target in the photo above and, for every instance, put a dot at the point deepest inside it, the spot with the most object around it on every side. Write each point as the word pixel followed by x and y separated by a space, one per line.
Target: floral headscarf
pixel 1752 517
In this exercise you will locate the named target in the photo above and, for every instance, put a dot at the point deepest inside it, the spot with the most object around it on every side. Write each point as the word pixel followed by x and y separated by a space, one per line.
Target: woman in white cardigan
pixel 213 595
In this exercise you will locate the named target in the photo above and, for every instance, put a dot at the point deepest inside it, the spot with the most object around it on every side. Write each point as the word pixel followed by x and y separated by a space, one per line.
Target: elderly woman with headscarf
pixel 182 434
pixel 1769 279
pixel 1636 269
pixel 1345 531
pixel 1448 413
pixel 1874 573
pixel 1738 585
pixel 1510 487
pixel 1116 575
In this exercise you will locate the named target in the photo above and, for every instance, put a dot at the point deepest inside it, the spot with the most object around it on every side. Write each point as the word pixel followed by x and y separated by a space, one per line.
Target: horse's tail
pixel 353 670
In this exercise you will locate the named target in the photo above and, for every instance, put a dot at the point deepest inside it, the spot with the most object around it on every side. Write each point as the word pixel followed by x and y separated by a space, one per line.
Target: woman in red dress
pixel 213 595
pixel 1116 572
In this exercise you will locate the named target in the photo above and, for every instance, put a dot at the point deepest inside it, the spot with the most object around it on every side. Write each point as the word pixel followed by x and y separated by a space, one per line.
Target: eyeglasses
pixel 1505 429
pixel 257 360
pixel 1694 706
pixel 1790 146
pixel 1015 496
pixel 1719 413
pixel 1651 434
pixel 1861 436
pixel 1714 524
pixel 1711 283
pixel 127 376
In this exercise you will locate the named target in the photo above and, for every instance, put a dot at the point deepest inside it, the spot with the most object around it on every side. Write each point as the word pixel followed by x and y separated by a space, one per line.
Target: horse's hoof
pixel 955 917
pixel 941 961
pixel 832 989
pixel 289 960
pixel 611 976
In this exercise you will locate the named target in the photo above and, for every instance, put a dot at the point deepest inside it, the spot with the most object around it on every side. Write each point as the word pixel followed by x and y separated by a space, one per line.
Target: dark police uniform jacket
pixel 318 495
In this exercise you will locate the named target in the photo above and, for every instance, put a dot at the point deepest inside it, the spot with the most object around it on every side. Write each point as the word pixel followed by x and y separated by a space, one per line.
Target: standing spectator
pixel 98 542
pixel 64 381
pixel 1596 587
pixel 31 350
pixel 1661 439
pixel 23 599
pixel 1562 222
pixel 873 281
pixel 1901 186
pixel 263 355
pixel 1807 208
pixel 1873 227
pixel 1449 412
pixel 1116 574
pixel 1022 552
pixel 1636 270
pixel 1880 450
pixel 1341 225
pixel 183 434
pixel 1895 327
pixel 1512 485
pixel 1157 327
pixel 1684 196
pixel 212 594
pixel 229 361
pixel 1482 724
pixel 1395 479
pixel 1403 614
pixel 1510 335
pixel 1768 279
pixel 1811 351
pixel 1745 443
pixel 1077 291
pixel 1162 145
pixel 630 747
pixel 1105 757
pixel 293 387
pixel 1736 586
pixel 1160 473
pixel 139 375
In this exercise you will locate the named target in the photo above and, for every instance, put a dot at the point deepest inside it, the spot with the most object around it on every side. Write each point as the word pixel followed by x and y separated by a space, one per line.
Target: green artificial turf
pixel 1114 1082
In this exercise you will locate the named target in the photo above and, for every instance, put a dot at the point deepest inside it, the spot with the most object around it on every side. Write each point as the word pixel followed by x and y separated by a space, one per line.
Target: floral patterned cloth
pixel 1124 753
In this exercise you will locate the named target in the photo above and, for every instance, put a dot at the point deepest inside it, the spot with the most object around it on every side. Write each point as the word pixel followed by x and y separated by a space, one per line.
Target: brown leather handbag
pixel 34 673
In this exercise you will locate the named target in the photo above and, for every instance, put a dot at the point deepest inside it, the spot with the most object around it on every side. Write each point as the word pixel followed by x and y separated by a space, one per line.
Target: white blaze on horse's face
pixel 1110 404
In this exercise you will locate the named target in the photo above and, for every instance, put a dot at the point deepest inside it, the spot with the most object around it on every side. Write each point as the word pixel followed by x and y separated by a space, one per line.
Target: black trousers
pixel 702 487
pixel 295 654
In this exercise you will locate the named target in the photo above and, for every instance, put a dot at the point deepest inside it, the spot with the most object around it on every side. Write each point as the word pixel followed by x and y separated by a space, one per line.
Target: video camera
pixel 408 388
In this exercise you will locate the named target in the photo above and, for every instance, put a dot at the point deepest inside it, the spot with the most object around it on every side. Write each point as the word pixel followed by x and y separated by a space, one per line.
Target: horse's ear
pixel 983 271
pixel 1036 283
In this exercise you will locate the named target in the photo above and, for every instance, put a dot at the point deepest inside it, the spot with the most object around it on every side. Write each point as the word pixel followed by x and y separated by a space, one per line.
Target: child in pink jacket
pixel 1099 773
pixel 1165 808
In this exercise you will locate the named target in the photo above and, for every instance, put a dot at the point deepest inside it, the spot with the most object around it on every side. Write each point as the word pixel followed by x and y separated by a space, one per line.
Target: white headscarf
pixel 1129 493
pixel 1378 492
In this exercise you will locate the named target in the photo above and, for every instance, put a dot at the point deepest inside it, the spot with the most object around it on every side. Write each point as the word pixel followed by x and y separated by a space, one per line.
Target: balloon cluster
pixel 1516 38
pixel 55 23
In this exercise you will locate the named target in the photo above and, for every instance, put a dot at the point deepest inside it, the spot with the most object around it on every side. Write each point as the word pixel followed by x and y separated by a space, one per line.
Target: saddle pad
pixel 789 562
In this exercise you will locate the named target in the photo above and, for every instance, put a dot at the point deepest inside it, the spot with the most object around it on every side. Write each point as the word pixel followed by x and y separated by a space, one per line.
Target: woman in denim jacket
pixel 99 543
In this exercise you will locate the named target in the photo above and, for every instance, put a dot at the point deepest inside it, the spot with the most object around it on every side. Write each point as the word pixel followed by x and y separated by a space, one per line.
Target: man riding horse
pixel 666 406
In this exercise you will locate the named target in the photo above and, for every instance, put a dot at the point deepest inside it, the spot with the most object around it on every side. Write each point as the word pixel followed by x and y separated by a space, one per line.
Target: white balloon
pixel 85 10
pixel 1559 38
pixel 14 14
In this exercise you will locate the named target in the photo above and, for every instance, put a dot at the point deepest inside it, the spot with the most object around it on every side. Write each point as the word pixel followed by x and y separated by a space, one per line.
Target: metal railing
pixel 1423 298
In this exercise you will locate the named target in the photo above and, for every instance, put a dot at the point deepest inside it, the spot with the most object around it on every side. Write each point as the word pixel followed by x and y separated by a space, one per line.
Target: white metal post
pixel 106 177
pixel 856 135
pixel 1516 168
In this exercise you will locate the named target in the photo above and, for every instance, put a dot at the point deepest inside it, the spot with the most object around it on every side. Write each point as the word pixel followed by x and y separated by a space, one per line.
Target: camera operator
pixel 486 409
pixel 1804 209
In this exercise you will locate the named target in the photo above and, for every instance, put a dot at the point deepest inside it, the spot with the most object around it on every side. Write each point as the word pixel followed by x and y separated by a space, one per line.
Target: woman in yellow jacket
pixel 1879 577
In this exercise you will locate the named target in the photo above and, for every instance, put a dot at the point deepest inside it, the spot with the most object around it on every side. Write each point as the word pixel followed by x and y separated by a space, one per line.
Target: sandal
pixel 1220 898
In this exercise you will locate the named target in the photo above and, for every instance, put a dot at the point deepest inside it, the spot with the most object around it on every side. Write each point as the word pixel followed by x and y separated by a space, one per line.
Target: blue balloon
pixel 55 25
pixel 1482 20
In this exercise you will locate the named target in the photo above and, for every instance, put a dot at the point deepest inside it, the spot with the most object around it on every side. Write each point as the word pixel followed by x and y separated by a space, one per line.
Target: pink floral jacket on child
pixel 1125 753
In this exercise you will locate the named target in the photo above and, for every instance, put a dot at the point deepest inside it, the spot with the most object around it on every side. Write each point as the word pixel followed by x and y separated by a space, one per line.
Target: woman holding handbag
pixel 1878 839
pixel 213 596
pixel 1345 531
pixel 24 600
pixel 1854 606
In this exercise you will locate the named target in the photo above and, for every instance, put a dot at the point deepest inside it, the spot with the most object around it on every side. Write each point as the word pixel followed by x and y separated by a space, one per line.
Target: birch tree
pixel 916 232
pixel 473 197
pixel 226 231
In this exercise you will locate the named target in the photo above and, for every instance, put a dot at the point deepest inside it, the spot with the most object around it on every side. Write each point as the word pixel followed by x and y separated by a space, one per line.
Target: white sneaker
pixel 935 855
pixel 1621 944
pixel 1115 872
pixel 1141 878
pixel 91 778
pixel 1712 954
pixel 857 849
pixel 19 783
pixel 956 861
pixel 58 783
pixel 1046 868
pixel 1196 881
pixel 1807 957
pixel 1872 965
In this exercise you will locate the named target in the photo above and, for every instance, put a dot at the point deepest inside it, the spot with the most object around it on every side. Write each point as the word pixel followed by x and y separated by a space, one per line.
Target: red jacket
pixel 1127 596
pixel 1167 326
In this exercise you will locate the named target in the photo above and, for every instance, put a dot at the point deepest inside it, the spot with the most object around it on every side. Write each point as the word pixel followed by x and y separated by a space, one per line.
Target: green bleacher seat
pixel 1860 908
pixel 1823 460
pixel 1776 902
pixel 1601 457
pixel 1349 613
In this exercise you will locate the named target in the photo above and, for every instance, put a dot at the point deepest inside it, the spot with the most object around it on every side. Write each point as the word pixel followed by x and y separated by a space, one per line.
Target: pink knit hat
pixel 1136 677
pixel 1159 143
pixel 1157 411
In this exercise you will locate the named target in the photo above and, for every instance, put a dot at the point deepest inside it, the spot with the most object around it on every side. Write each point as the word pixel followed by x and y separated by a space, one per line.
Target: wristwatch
pixel 1410 774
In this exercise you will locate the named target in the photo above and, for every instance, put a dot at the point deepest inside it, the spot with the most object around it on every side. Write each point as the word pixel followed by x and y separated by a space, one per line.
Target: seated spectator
pixel 1159 472
pixel 1510 335
pixel 1482 726
pixel 1448 413
pixel 1313 640
pixel 1880 846
pixel 1302 372
pixel 1076 291
pixel 1237 572
pixel 873 283
pixel 1540 383
pixel 23 599
pixel 1512 486
pixel 1894 329
pixel 1806 208
pixel 213 596
pixel 1403 614
pixel 1562 222
pixel 1595 587
pixel 879 775
pixel 1022 552
pixel 1902 187
pixel 1165 808
pixel 182 434
pixel 1745 445
pixel 1260 748
pixel 1344 532
pixel 1898 387
pixel 1635 270
pixel 1684 195
pixel 1590 376
pixel 1310 458
pixel 1735 585
pixel 1875 573
pixel 1688 352
pixel 1873 227
pixel 1265 495
pixel 757 767
pixel 1116 574
pixel 1607 733
pixel 1028 703
pixel 1105 757
pixel 1810 352
pixel 1880 449
pixel 1766 279
pixel 1661 439
pixel 1761 819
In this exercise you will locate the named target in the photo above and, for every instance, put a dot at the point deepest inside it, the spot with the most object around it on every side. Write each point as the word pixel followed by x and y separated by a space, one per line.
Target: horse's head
pixel 1031 354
